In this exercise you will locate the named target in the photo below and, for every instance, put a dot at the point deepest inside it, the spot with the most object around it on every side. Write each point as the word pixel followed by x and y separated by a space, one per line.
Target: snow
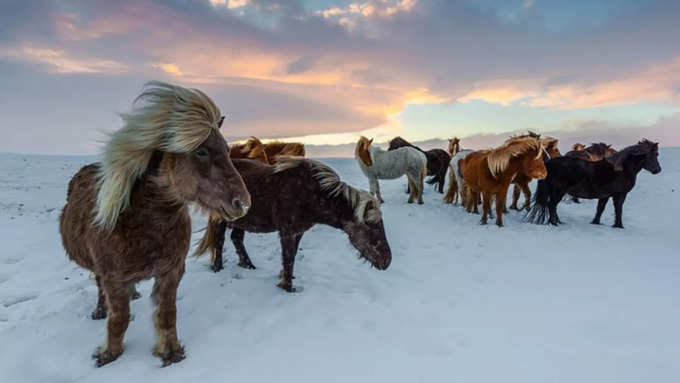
pixel 460 303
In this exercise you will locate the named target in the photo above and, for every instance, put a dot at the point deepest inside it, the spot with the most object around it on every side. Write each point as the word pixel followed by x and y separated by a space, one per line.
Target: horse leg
pixel 601 203
pixel 486 206
pixel 217 263
pixel 244 261
pixel 442 179
pixel 527 196
pixel 619 199
pixel 452 192
pixel 475 205
pixel 500 206
pixel 421 186
pixel 289 244
pixel 164 298
pixel 118 302
pixel 100 311
pixel 412 189
pixel 515 197
pixel 377 191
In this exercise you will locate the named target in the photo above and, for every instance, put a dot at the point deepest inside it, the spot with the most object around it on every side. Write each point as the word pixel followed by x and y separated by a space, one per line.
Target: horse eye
pixel 202 153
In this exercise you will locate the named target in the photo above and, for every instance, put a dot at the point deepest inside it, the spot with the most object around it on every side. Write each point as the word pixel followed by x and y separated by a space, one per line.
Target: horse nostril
pixel 240 205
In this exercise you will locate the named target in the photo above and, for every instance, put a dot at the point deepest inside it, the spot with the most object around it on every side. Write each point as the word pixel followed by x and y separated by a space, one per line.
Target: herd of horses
pixel 127 219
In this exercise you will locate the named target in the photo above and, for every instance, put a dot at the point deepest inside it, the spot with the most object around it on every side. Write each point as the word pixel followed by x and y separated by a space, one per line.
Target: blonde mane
pixel 499 158
pixel 330 183
pixel 164 117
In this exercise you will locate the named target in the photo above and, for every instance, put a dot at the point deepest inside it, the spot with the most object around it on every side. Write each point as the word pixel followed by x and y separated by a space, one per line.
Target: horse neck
pixel 512 169
pixel 632 166
pixel 152 191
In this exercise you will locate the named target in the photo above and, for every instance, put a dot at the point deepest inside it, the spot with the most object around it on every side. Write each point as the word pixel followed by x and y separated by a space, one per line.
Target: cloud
pixel 59 61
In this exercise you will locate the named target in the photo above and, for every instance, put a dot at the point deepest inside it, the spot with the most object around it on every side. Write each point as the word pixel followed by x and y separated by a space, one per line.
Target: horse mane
pixel 578 146
pixel 164 117
pixel 332 186
pixel 499 158
pixel 643 147
pixel 398 142
pixel 549 142
pixel 250 144
pixel 598 148
pixel 361 150
pixel 529 133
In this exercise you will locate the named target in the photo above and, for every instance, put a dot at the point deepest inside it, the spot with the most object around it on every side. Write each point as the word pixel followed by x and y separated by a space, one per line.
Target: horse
pixel 254 149
pixel 126 218
pixel 521 181
pixel 377 163
pixel 457 189
pixel 437 161
pixel 578 146
pixel 593 153
pixel 490 172
pixel 613 177
pixel 454 146
pixel 291 197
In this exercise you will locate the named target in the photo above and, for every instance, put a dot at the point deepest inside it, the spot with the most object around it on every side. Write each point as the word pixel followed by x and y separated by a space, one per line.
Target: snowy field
pixel 460 303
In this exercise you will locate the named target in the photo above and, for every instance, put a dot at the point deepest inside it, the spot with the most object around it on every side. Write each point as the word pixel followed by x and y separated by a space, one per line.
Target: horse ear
pixel 219 123
pixel 369 142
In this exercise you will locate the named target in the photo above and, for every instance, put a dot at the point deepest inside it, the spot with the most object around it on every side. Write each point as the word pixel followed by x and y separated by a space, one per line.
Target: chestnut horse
pixel 454 146
pixel 521 181
pixel 126 219
pixel 254 149
pixel 490 172
pixel 291 197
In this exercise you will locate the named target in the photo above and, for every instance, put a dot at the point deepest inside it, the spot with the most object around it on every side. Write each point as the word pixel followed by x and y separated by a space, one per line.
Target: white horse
pixel 377 163
pixel 456 183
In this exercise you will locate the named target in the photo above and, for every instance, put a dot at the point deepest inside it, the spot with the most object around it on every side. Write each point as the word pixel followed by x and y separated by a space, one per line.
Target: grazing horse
pixel 437 161
pixel 377 163
pixel 521 181
pixel 613 177
pixel 593 153
pixel 457 190
pixel 254 149
pixel 490 172
pixel 291 197
pixel 126 219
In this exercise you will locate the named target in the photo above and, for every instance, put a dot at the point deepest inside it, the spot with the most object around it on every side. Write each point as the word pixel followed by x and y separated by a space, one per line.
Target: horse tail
pixel 208 242
pixel 433 180
pixel 452 191
pixel 541 200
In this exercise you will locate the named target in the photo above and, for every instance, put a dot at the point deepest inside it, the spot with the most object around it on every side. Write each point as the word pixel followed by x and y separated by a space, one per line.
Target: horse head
pixel 578 146
pixel 454 146
pixel 367 233
pixel 362 150
pixel 645 151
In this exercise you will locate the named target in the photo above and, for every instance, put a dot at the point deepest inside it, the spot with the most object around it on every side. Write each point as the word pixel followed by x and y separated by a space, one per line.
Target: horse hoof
pixel 593 222
pixel 216 268
pixel 288 287
pixel 420 202
pixel 171 356
pixel 103 356
pixel 98 313
pixel 499 224
pixel 247 265
pixel 617 226
pixel 410 201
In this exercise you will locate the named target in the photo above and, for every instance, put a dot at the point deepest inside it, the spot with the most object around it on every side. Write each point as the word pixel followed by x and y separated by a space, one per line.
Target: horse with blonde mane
pixel 127 219
pixel 377 163
pixel 254 149
pixel 490 172
pixel 521 181
pixel 457 190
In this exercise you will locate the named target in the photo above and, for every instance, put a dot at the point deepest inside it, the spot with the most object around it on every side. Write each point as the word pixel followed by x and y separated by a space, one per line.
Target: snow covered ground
pixel 460 303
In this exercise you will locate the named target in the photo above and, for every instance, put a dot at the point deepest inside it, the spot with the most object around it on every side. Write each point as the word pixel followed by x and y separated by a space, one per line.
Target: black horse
pixel 290 198
pixel 437 161
pixel 613 177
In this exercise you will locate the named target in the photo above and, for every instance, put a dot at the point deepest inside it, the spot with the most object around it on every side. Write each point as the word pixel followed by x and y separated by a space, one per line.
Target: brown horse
pixel 578 146
pixel 454 146
pixel 126 219
pixel 521 181
pixel 490 172
pixel 254 149
pixel 291 197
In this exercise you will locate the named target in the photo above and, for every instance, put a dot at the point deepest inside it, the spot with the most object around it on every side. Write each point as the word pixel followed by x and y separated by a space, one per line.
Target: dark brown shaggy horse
pixel 490 172
pixel 126 218
pixel 593 153
pixel 521 181
pixel 254 149
pixel 291 197
pixel 437 162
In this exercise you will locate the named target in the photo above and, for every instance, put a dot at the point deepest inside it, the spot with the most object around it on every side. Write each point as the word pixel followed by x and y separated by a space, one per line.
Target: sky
pixel 325 72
